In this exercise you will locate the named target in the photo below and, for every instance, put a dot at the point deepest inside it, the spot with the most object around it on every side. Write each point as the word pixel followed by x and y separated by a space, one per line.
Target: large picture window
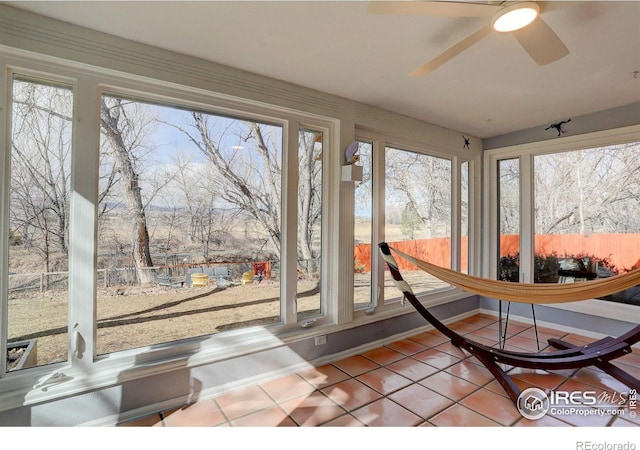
pixel 569 212
pixel 189 224
pixel 141 220
pixel 587 215
pixel 188 199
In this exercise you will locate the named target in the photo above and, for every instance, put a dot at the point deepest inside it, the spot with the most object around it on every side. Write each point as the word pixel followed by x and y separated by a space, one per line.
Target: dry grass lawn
pixel 133 317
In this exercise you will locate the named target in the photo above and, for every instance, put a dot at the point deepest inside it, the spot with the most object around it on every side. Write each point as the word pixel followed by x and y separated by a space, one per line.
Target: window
pixel 188 213
pixel 189 223
pixel 418 214
pixel 587 215
pixel 363 229
pixel 38 301
pixel 509 219
pixel 465 209
pixel 568 211
pixel 310 145
pixel 168 215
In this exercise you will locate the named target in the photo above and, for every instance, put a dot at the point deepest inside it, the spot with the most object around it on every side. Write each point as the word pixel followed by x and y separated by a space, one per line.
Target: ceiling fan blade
pixel 541 42
pixel 452 51
pixel 437 8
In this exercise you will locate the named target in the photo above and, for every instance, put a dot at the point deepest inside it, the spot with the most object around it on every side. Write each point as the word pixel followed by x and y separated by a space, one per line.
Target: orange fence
pixel 622 249
pixel 437 251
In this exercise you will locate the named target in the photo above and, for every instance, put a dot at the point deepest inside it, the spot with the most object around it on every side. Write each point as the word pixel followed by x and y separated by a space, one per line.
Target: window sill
pixel 601 308
pixel 18 389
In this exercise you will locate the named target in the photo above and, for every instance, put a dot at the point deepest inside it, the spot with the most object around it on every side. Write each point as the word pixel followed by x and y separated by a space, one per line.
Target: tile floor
pixel 419 381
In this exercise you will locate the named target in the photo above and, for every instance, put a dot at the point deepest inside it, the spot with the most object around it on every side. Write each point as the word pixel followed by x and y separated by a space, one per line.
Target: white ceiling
pixel 491 89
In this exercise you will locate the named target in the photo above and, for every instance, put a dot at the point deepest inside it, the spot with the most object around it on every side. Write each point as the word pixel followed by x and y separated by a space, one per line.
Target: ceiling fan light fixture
pixel 515 16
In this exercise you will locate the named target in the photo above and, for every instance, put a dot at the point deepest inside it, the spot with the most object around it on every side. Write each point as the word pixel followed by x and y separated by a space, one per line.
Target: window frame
pixel 371 304
pixel 84 371
pixel 7 77
pixel 83 364
pixel 525 153
pixel 380 142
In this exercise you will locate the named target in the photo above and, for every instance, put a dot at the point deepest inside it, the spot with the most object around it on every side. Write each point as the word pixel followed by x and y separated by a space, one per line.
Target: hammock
pixel 567 355
pixel 539 293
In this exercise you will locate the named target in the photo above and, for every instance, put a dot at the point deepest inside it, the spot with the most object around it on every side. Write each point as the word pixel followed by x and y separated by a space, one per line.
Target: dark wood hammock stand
pixel 567 355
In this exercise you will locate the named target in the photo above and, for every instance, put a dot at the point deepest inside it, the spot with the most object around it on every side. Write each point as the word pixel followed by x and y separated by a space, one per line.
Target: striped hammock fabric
pixel 538 293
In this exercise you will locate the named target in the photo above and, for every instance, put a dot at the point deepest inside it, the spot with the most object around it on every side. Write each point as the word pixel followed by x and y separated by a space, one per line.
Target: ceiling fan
pixel 522 19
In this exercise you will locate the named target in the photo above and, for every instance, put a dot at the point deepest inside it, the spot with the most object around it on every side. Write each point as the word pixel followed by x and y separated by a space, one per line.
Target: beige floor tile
pixel 312 410
pixel 386 413
pixel 268 417
pixel 420 400
pixel 203 413
pixel 287 387
pixel 324 376
pixel 412 368
pixel 384 380
pixel 356 365
pixel 244 401
pixel 407 347
pixel 351 394
pixel 461 416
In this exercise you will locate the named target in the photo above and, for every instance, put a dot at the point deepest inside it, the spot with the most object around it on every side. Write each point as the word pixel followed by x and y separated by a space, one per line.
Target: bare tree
pixel 247 177
pixel 420 186
pixel 309 199
pixel 125 132
pixel 588 191
pixel 207 222
pixel 249 182
pixel 40 173
pixel 509 196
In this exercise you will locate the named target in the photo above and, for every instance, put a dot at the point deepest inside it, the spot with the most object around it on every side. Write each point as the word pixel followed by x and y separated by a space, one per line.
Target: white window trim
pixel 526 152
pixel 81 375
pixel 438 296
pixel 87 371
